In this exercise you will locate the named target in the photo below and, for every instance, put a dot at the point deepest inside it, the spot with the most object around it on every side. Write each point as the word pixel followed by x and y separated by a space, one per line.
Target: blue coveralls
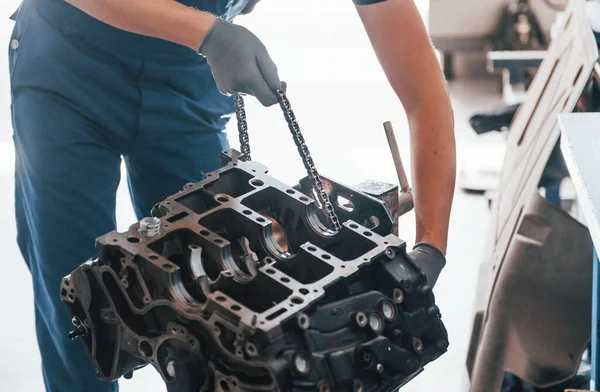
pixel 84 95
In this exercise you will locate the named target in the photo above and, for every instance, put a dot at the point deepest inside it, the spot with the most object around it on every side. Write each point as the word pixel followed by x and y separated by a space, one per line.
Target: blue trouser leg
pixel 62 204
pixel 66 176
pixel 76 110
pixel 177 142
pixel 162 169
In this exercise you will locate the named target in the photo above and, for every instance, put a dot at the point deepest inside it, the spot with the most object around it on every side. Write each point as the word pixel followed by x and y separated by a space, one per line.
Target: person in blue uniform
pixel 150 82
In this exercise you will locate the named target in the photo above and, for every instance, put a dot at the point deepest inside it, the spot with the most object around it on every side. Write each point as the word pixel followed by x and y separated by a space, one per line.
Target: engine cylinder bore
pixel 241 290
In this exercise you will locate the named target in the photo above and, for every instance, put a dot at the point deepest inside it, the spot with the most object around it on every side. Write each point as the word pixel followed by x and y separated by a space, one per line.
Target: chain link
pixel 307 160
pixel 240 113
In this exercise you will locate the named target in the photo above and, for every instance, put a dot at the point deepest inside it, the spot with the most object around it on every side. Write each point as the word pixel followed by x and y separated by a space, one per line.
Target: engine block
pixel 237 284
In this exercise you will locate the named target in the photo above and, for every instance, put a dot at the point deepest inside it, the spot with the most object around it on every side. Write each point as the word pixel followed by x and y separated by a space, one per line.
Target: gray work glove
pixel 250 7
pixel 429 259
pixel 240 63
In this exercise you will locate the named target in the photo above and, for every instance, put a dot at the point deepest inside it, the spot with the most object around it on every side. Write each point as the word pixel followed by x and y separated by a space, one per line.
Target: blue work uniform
pixel 84 95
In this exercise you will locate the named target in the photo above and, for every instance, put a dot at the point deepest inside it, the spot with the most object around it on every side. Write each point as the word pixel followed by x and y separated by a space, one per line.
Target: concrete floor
pixel 341 102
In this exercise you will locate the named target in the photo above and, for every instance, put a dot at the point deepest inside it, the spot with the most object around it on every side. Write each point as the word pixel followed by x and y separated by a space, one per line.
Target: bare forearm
pixel 406 54
pixel 164 19
pixel 434 172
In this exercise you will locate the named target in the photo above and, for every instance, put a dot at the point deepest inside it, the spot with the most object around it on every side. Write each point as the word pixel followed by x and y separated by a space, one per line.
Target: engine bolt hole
pixel 417 345
pixel 398 296
pixel 358 387
pixel 302 363
pixel 224 386
pixel 388 308
pixel 361 319
pixel 146 349
pixel 390 253
pixel 376 322
pixel 303 321
pixel 251 349
pixel 324 387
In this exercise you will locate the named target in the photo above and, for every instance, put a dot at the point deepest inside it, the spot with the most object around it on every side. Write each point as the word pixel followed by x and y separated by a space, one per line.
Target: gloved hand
pixel 239 62
pixel 250 7
pixel 429 259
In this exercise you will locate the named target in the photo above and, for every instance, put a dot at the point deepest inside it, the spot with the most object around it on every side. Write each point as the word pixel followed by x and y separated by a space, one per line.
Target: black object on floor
pixel 493 120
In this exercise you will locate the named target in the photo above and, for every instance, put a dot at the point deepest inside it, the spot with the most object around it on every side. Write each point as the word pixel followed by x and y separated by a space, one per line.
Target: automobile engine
pixel 239 283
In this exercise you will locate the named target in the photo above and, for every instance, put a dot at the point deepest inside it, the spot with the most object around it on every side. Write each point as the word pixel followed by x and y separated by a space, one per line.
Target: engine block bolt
pixel 149 227
pixel 398 296
pixel 417 345
pixel 388 308
pixel 407 285
pixel 302 363
pixel 80 329
pixel 379 368
pixel 361 319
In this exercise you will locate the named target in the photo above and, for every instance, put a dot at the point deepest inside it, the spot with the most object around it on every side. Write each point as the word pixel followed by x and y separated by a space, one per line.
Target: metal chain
pixel 240 113
pixel 307 160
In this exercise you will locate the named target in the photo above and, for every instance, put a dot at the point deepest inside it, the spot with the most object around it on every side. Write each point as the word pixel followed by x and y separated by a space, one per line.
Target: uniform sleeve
pixel 367 2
